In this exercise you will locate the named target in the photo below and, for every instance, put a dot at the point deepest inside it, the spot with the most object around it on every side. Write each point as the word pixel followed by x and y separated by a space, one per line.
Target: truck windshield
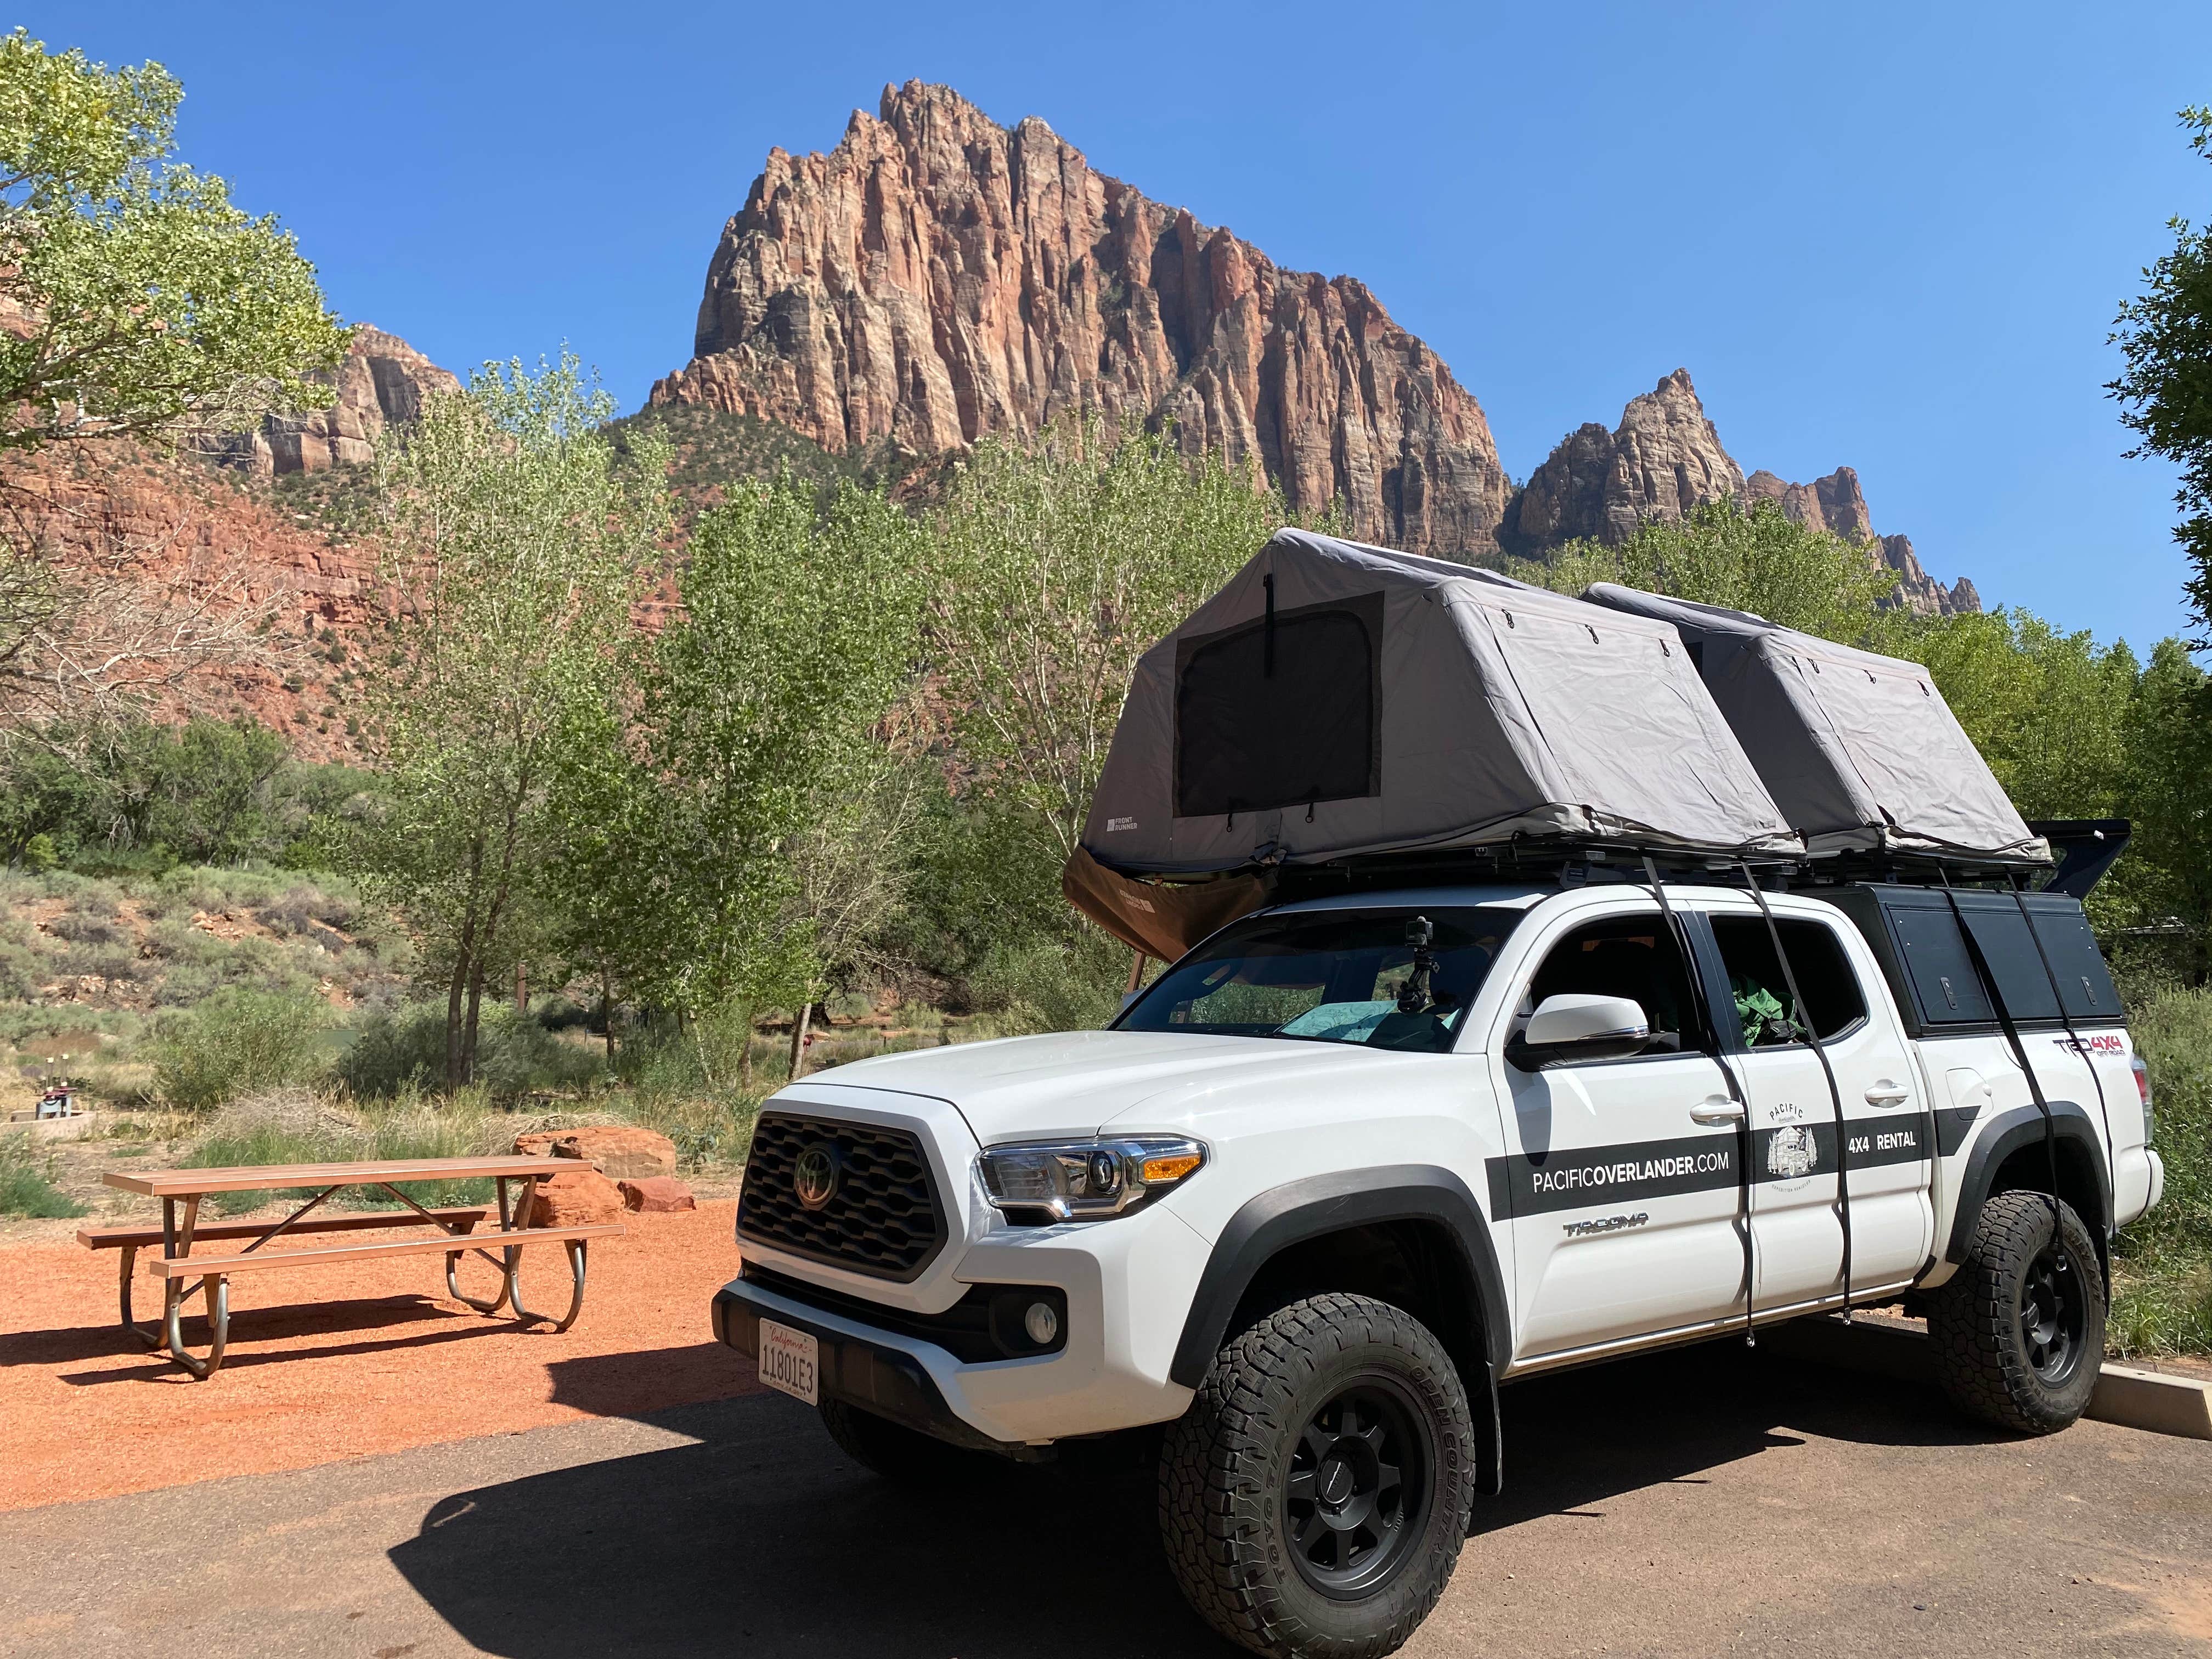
pixel 1332 976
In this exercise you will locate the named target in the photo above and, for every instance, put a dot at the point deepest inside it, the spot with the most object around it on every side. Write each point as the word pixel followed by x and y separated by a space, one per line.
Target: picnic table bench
pixel 182 1272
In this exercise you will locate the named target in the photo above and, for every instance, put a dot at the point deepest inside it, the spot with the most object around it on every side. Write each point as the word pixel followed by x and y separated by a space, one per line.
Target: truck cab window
pixel 1763 1004
pixel 1331 976
pixel 1632 956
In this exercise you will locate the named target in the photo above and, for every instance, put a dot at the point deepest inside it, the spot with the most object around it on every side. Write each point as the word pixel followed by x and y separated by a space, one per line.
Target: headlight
pixel 1087 1179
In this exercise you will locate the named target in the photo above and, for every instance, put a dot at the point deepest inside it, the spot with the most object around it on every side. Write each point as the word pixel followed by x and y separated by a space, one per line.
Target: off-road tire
pixel 1984 1356
pixel 904 1456
pixel 1225 1472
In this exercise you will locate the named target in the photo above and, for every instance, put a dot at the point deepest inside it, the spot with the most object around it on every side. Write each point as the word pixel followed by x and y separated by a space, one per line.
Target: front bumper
pixel 1125 1285
pixel 862 1373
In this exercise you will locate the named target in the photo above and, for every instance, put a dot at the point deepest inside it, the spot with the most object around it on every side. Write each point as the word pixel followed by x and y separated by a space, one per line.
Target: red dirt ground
pixel 345 1360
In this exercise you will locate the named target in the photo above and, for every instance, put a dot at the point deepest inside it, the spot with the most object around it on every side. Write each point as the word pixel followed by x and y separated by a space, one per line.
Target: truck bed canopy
pixel 1860 752
pixel 1336 700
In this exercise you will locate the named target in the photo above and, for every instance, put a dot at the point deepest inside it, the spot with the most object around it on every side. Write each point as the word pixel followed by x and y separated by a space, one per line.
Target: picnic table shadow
pixel 107 1340
pixel 764 1535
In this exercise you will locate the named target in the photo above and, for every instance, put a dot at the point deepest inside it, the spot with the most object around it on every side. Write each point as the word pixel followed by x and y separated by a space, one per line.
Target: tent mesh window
pixel 1282 712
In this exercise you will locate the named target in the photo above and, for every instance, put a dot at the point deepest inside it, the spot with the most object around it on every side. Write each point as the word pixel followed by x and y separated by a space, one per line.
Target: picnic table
pixel 182 1272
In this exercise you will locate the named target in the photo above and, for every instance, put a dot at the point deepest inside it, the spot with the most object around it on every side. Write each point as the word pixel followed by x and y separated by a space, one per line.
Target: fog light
pixel 1042 1324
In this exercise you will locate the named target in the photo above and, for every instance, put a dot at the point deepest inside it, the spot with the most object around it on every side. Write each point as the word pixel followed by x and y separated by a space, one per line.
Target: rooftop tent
pixel 1860 752
pixel 1335 700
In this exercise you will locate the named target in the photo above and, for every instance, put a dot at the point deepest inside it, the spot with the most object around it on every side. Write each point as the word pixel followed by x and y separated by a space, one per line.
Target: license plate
pixel 791 1361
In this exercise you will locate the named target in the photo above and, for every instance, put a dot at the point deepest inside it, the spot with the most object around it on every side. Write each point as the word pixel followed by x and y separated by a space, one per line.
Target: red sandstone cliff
pixel 381 380
pixel 1665 458
pixel 936 277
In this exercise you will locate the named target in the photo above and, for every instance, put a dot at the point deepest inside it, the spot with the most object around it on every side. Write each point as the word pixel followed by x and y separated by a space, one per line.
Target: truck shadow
pixel 763 1534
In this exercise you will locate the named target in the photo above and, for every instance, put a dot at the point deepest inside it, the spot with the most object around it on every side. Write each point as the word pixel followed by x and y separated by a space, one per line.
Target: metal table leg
pixel 217 1287
pixel 575 1294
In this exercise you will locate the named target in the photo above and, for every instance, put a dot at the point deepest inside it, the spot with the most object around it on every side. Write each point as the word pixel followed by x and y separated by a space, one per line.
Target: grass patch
pixel 2162 1268
pixel 26 1186
pixel 293 1125
pixel 2161 1304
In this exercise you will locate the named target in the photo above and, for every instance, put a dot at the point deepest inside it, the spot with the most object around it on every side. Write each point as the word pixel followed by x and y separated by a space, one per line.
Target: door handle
pixel 1886 1093
pixel 1716 1111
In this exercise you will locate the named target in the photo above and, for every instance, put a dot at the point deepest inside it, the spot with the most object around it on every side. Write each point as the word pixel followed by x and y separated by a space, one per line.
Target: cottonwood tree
pixel 2166 790
pixel 1751 558
pixel 796 634
pixel 2165 336
pixel 1054 566
pixel 101 625
pixel 134 297
pixel 515 548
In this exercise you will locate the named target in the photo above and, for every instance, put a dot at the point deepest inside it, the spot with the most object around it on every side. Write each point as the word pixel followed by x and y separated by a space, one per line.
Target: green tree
pixel 1054 567
pixel 516 548
pixel 2049 711
pixel 137 297
pixel 2165 336
pixel 1751 558
pixel 761 798
pixel 2167 790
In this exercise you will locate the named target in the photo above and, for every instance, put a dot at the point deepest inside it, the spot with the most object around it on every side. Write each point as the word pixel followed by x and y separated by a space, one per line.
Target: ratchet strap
pixel 2074 1037
pixel 2019 1053
pixel 1803 1022
pixel 1712 1050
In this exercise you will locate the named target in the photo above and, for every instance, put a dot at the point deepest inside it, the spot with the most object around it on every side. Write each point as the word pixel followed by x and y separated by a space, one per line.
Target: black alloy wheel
pixel 2018 1332
pixel 1313 1497
pixel 2054 1315
pixel 1359 1488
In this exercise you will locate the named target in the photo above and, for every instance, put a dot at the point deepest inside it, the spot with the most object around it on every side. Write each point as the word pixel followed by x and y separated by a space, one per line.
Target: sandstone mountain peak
pixel 936 277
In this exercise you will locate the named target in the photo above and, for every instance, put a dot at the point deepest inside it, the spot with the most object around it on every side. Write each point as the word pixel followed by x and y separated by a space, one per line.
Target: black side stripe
pixel 1952 1125
pixel 1581 1177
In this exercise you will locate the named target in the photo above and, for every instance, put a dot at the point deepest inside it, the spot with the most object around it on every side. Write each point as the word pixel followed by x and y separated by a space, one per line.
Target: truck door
pixel 1796 1221
pixel 1622 1180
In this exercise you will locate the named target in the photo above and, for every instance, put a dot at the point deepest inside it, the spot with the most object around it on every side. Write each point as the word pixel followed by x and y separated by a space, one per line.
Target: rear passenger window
pixel 1769 1015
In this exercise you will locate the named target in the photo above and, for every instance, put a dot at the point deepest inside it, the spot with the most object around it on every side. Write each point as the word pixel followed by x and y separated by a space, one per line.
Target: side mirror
pixel 1578 1026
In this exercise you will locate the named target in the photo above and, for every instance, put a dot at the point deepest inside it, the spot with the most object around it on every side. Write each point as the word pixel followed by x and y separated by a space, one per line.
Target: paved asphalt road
pixel 1707 1502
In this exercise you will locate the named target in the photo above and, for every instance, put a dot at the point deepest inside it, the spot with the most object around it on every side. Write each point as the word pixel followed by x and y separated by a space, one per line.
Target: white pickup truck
pixel 1356 1161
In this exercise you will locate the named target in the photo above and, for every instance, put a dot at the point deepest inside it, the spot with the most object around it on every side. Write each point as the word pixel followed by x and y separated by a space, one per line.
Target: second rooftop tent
pixel 1336 701
pixel 1860 752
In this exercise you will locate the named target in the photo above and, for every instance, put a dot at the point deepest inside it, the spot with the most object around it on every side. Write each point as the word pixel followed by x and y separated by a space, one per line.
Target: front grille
pixel 882 1216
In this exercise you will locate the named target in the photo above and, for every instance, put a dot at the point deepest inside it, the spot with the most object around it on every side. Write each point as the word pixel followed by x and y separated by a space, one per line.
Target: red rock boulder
pixel 578 1197
pixel 658 1193
pixel 622 1151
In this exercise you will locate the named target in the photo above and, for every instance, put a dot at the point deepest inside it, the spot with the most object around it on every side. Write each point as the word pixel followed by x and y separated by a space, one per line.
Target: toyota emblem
pixel 814 1177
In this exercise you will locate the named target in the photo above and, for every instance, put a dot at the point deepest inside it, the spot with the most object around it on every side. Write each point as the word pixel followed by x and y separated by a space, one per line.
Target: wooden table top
pixel 186 1183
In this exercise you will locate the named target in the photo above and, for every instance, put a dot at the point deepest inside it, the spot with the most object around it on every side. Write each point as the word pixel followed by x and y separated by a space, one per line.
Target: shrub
pixel 1053 985
pixel 80 929
pixel 236 1042
pixel 406 1047
pixel 26 1186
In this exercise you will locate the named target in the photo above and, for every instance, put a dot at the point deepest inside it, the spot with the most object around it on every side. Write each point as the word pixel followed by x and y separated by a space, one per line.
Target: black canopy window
pixel 1281 712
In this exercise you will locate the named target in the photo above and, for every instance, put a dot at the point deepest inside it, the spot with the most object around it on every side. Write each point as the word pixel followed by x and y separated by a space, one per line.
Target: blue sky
pixel 1885 236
